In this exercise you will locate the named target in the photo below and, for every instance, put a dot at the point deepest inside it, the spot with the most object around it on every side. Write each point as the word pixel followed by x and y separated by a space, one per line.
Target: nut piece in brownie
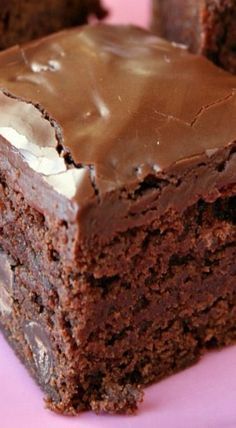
pixel 117 218
pixel 205 26
pixel 24 20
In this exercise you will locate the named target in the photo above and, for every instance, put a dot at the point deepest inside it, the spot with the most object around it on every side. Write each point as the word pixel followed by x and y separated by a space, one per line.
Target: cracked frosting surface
pixel 120 101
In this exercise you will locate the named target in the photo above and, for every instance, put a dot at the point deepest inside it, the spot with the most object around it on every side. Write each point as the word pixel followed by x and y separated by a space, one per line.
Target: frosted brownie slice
pixel 206 26
pixel 24 20
pixel 117 226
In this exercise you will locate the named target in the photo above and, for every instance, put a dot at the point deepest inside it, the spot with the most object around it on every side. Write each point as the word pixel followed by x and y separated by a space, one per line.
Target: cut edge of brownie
pixel 198 302
pixel 218 41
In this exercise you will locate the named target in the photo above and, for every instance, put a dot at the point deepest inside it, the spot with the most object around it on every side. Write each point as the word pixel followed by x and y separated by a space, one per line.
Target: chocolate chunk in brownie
pixel 39 344
pixel 6 285
pixel 207 27
pixel 118 207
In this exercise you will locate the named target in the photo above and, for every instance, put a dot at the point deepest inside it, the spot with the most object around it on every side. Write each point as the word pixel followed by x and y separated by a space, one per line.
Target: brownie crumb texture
pixel 219 33
pixel 90 356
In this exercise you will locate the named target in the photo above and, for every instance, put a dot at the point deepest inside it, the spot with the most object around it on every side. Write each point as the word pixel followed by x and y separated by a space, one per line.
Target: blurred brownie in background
pixel 206 26
pixel 24 20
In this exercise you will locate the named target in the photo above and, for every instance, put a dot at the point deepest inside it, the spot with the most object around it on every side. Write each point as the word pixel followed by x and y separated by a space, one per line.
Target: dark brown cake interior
pixel 219 29
pixel 157 313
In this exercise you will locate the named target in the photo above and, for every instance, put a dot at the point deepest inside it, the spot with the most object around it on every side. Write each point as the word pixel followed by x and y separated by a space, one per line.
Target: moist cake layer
pixel 156 316
pixel 117 212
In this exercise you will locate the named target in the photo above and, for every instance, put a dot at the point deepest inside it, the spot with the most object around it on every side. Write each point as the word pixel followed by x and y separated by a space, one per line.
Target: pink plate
pixel 200 397
pixel 203 396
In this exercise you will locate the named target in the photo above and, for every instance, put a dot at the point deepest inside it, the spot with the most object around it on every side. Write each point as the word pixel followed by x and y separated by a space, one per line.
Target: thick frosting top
pixel 122 102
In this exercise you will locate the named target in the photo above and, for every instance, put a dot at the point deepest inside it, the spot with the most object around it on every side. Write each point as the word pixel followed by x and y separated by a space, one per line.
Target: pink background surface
pixel 203 396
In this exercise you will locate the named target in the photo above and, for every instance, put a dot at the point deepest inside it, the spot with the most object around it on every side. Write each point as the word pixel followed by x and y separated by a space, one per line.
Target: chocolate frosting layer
pixel 115 101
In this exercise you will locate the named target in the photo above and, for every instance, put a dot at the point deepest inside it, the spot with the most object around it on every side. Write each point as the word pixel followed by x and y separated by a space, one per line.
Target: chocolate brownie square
pixel 207 27
pixel 117 212
pixel 24 20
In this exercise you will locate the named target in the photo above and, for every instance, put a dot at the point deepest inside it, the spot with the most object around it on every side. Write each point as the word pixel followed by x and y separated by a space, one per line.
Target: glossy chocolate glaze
pixel 120 101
